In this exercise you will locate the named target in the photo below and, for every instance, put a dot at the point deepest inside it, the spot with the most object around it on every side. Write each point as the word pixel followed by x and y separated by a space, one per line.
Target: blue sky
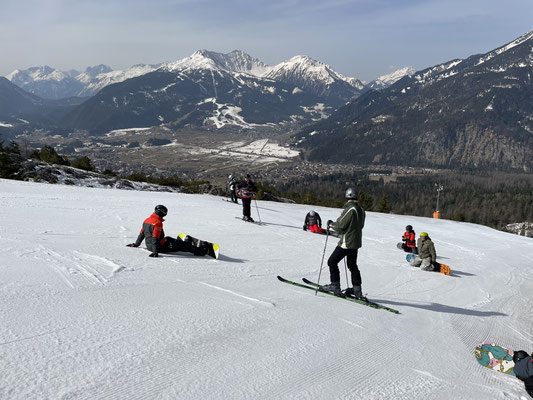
pixel 360 38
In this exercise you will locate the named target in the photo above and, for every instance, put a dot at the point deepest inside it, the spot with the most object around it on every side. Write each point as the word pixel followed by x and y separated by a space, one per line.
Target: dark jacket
pixel 152 231
pixel 426 249
pixel 524 368
pixel 313 220
pixel 350 225
pixel 247 189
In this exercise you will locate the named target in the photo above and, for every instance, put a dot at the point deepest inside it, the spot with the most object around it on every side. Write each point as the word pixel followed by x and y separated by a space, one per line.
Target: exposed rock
pixel 521 228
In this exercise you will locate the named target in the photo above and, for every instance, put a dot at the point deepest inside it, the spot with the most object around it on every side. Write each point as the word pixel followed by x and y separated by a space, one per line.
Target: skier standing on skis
pixel 247 190
pixel 409 240
pixel 232 184
pixel 427 256
pixel 156 242
pixel 313 222
pixel 523 368
pixel 350 228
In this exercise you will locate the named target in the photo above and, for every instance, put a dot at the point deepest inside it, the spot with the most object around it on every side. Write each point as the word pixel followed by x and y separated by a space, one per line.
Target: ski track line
pixel 263 302
pixel 72 267
pixel 64 275
pixel 32 337
pixel 114 266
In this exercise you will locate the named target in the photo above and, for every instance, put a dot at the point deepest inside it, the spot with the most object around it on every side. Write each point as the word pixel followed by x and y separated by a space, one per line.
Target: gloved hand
pixel 132 245
pixel 154 254
pixel 305 227
pixel 330 222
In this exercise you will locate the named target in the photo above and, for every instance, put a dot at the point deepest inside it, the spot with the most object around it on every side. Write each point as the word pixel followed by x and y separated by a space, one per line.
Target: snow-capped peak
pixel 234 61
pixel 386 80
pixel 310 69
pixel 41 73
pixel 98 69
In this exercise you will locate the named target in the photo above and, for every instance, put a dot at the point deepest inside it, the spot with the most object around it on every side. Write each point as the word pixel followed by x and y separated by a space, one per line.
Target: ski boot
pixel 333 287
pixel 356 292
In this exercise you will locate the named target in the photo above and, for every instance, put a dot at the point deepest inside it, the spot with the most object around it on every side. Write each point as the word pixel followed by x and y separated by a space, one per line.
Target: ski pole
pixel 257 208
pixel 346 270
pixel 322 262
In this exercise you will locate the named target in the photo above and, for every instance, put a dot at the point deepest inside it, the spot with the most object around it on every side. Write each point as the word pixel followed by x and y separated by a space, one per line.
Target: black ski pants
pixel 351 259
pixel 246 207
pixel 233 196
pixel 173 245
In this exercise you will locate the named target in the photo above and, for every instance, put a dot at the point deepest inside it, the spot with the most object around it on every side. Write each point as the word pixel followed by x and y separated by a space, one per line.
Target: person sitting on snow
pixel 313 222
pixel 427 256
pixel 523 368
pixel 156 242
pixel 409 240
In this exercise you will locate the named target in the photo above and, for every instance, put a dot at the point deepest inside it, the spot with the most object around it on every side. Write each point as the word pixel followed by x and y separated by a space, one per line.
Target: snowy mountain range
pixel 50 83
pixel 216 89
pixel 475 112
pixel 299 90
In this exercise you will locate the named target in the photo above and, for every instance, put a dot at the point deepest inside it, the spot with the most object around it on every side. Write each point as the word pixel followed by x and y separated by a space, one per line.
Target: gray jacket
pixel 350 225
pixel 426 249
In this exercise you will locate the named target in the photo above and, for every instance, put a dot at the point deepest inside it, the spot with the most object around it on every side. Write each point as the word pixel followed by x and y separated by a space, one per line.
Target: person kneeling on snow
pixel 313 222
pixel 427 256
pixel 523 368
pixel 156 242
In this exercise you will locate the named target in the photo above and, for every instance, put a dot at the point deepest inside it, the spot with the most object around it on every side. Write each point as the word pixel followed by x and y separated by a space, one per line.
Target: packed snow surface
pixel 85 317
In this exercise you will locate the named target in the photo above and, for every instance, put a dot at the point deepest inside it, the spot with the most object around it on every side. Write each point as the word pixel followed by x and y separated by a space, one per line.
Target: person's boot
pixel 333 287
pixel 356 292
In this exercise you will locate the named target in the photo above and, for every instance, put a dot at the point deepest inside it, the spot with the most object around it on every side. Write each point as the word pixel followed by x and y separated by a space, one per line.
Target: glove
pixel 154 254
pixel 330 222
pixel 132 245
pixel 305 228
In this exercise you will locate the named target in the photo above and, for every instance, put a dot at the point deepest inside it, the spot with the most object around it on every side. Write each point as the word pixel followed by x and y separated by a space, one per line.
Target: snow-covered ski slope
pixel 84 317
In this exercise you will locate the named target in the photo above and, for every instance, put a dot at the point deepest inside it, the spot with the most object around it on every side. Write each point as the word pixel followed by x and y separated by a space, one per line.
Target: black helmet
pixel 408 228
pixel 350 194
pixel 247 176
pixel 519 355
pixel 161 211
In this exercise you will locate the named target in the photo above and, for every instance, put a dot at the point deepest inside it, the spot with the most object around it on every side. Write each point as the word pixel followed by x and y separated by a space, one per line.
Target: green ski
pixel 312 286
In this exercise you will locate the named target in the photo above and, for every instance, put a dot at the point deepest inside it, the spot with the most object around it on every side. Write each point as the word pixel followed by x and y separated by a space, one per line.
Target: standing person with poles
pixel 247 191
pixel 350 228
pixel 232 185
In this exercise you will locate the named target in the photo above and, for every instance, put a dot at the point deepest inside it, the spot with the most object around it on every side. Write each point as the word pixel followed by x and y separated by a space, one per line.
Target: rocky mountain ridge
pixel 471 113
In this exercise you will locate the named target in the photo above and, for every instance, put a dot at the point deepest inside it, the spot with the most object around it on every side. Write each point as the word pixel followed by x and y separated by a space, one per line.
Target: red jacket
pixel 152 231
pixel 409 238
